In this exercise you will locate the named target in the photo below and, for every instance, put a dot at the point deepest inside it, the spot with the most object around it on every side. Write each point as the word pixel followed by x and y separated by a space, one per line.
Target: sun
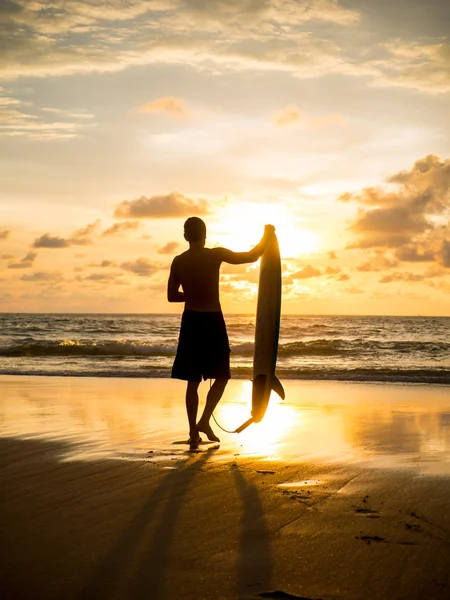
pixel 241 225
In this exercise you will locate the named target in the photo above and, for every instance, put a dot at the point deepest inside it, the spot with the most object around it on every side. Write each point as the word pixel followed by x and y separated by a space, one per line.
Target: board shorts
pixel 203 348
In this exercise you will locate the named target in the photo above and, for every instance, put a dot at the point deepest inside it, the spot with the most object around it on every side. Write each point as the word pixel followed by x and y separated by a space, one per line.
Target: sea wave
pixel 85 348
pixel 357 347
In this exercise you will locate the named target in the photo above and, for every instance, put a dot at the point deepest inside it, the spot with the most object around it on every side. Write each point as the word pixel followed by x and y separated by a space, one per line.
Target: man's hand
pixel 239 258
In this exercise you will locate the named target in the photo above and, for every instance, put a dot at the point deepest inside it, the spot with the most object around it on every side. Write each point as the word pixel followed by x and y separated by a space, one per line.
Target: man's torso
pixel 198 272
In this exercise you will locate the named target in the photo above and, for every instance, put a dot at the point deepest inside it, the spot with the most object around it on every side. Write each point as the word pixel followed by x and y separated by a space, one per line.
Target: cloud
pixel 7 256
pixel 292 114
pixel 443 255
pixel 4 235
pixel 49 241
pixel 414 254
pixel 83 236
pixel 122 227
pixel 87 37
pixel 104 264
pixel 103 277
pixel 332 255
pixel 42 276
pixel 246 12
pixel 161 207
pixel 169 248
pixel 410 217
pixel 416 65
pixel 413 277
pixel 332 271
pixel 141 266
pixel 17 119
pixel 239 275
pixel 343 277
pixel 175 107
pixel 305 273
pixel 80 237
pixel 82 37
pixel 25 263
pixel 378 262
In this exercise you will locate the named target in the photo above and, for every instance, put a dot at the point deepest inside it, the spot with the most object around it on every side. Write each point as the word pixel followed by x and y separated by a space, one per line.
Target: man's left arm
pixel 173 285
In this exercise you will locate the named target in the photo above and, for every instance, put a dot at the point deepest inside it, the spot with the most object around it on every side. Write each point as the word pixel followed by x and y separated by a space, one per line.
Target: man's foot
pixel 194 439
pixel 206 428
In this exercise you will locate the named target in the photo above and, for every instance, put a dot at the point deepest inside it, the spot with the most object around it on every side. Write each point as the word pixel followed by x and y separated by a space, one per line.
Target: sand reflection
pixel 142 419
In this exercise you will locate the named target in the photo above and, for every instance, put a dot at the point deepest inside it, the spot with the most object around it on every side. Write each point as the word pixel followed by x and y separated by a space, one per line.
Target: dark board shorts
pixel 203 347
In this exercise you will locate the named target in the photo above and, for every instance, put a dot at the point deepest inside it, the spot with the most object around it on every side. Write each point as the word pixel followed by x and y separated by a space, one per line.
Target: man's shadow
pixel 255 566
pixel 136 572
pixel 116 569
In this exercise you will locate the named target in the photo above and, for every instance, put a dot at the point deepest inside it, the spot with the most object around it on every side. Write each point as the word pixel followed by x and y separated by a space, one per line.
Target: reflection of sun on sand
pixel 239 225
pixel 264 438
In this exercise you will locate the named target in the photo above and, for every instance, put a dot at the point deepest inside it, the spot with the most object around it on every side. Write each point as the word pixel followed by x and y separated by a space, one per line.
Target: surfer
pixel 203 349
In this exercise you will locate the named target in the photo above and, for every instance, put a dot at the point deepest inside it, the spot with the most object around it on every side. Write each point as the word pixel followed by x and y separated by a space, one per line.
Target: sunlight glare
pixel 242 224
pixel 267 437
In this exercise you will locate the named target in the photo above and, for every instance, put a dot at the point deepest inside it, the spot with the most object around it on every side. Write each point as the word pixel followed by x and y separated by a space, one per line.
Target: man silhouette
pixel 203 348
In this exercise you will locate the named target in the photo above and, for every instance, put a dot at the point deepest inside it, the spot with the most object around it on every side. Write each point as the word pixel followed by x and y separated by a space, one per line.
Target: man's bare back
pixel 196 271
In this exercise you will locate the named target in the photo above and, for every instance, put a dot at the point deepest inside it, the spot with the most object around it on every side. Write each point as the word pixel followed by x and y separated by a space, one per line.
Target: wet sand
pixel 342 492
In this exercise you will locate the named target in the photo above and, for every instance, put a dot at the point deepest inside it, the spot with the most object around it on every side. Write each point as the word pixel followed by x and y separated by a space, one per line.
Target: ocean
pixel 345 348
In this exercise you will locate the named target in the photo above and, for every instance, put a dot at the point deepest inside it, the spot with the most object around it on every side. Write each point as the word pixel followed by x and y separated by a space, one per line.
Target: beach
pixel 341 492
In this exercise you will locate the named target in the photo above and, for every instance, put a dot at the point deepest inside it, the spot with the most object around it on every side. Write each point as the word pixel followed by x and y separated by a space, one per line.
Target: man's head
pixel 194 230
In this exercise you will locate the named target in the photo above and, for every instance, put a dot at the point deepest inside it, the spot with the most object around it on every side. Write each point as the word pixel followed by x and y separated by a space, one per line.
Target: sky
pixel 329 119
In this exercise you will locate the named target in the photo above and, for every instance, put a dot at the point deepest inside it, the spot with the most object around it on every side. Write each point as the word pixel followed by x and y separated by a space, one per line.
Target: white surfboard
pixel 266 333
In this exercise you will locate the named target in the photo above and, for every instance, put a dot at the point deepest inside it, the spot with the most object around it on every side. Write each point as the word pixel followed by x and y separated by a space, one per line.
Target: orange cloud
pixel 175 107
pixel 379 262
pixel 80 237
pixel 141 266
pixel 25 263
pixel 169 248
pixel 412 220
pixel 167 206
pixel 50 241
pixel 292 114
pixel 305 273
pixel 121 227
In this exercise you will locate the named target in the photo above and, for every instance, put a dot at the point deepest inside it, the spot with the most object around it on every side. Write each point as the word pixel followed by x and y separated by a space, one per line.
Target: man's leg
pixel 212 399
pixel 192 408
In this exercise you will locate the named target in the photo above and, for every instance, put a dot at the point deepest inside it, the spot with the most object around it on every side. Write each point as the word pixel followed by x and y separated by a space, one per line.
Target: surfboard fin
pixel 277 387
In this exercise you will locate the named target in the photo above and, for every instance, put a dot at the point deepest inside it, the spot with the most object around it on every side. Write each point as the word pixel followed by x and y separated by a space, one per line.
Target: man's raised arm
pixel 240 258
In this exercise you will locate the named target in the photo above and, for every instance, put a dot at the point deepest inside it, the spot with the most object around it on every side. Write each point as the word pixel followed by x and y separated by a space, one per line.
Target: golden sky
pixel 329 119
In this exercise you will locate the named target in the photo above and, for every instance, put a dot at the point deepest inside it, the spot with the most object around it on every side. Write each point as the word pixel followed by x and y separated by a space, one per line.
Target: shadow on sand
pixel 132 565
pixel 137 565
pixel 254 569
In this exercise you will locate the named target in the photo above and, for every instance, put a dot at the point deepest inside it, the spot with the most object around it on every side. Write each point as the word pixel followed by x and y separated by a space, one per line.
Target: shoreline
pixel 114 417
pixel 400 379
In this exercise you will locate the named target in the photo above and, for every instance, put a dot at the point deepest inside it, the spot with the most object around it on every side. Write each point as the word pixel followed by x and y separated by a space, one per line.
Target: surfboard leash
pixel 239 429
pixel 215 420
pixel 220 426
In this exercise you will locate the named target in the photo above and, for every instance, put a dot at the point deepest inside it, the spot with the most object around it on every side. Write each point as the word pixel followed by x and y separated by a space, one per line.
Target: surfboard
pixel 267 330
